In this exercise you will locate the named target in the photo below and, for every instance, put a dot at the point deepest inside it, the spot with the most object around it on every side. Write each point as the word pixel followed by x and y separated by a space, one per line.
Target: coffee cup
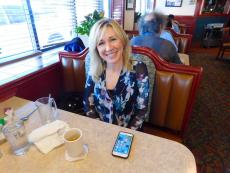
pixel 73 142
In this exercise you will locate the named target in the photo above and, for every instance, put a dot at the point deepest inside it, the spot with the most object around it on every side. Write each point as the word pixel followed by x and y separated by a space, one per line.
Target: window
pixel 144 6
pixel 28 26
pixel 14 31
pixel 117 11
pixel 12 14
pixel 85 7
pixel 54 21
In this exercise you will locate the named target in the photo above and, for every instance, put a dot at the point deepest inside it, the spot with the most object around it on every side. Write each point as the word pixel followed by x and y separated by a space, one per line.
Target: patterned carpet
pixel 208 133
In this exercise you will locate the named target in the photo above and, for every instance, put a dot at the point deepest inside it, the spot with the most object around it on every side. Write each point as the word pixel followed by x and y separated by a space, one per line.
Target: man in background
pixel 168 36
pixel 150 27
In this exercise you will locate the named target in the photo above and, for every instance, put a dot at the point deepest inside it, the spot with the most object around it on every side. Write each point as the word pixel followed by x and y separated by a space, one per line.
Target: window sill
pixel 21 68
pixel 19 57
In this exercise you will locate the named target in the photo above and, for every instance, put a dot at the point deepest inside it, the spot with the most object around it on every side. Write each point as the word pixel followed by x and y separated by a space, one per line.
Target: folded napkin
pixel 49 136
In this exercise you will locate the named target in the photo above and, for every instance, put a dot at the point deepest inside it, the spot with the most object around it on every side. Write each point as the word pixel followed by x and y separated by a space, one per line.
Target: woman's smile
pixel 110 54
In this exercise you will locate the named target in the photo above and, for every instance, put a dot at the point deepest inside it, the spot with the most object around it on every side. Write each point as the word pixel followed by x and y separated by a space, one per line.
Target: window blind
pixel 31 25
pixel 117 11
pixel 14 31
pixel 85 7
pixel 54 21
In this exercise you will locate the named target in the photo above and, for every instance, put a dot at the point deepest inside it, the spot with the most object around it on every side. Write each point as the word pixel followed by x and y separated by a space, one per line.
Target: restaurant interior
pixel 189 103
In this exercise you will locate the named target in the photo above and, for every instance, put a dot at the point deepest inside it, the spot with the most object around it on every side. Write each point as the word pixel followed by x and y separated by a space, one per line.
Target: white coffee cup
pixel 73 142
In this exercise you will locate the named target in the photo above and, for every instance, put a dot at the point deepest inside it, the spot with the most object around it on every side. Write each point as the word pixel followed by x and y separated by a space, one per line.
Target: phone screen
pixel 123 144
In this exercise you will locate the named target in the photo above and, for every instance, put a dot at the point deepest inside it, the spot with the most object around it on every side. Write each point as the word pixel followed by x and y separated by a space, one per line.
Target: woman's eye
pixel 100 43
pixel 113 39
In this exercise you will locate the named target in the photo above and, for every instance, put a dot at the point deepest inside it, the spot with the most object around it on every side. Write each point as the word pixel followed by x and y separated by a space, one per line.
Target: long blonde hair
pixel 97 65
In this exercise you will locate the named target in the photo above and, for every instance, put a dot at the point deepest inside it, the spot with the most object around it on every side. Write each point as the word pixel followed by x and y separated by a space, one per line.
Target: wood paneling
pixel 35 85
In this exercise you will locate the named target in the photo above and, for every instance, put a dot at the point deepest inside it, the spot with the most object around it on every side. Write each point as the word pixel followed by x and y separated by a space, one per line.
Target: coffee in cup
pixel 72 137
pixel 73 142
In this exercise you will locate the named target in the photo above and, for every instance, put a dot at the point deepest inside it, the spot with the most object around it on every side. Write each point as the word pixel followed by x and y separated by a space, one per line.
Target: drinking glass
pixel 16 135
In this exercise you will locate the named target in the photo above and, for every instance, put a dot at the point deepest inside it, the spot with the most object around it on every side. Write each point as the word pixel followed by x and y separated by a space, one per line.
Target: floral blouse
pixel 125 105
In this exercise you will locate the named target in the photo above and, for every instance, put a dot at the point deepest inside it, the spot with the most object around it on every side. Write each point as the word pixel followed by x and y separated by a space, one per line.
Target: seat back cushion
pixel 73 74
pixel 182 43
pixel 170 97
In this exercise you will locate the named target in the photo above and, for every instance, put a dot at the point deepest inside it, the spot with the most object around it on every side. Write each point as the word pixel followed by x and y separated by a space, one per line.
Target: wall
pixel 129 19
pixel 41 83
pixel 187 8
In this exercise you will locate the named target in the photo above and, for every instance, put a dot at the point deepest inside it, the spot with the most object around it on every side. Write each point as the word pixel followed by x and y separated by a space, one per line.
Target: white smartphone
pixel 123 145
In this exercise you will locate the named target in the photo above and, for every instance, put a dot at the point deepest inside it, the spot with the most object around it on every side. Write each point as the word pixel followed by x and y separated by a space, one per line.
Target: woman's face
pixel 110 47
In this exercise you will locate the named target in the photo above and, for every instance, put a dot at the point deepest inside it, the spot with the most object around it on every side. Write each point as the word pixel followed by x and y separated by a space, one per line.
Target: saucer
pixel 81 157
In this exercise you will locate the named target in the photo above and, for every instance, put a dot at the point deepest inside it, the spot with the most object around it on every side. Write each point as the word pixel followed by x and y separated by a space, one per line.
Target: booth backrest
pixel 173 87
pixel 183 41
pixel 174 91
pixel 73 71
pixel 183 28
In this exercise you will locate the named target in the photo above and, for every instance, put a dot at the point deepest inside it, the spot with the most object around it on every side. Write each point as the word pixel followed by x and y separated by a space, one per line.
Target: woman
pixel 117 88
pixel 172 23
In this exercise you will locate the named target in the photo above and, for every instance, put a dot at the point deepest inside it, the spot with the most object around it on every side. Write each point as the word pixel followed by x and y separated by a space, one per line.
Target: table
pixel 14 102
pixel 149 153
pixel 212 36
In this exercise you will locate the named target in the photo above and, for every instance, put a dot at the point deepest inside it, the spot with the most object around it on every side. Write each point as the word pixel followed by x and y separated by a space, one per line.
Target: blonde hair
pixel 97 65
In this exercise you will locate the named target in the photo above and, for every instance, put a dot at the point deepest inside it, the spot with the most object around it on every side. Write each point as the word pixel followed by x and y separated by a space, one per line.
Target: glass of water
pixel 15 134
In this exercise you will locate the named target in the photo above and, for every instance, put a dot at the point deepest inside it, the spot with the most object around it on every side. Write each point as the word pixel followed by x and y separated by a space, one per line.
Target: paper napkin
pixel 49 136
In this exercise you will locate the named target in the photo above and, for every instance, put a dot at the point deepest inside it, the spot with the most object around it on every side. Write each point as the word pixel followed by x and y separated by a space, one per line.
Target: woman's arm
pixel 88 100
pixel 141 105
